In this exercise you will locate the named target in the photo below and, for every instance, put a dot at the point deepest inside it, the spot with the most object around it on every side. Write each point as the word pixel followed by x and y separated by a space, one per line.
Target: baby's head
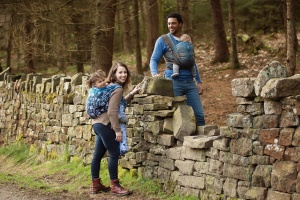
pixel 97 79
pixel 185 38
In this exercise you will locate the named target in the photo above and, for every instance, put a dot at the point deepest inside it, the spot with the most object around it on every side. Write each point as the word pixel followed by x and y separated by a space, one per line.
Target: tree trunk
pixel 152 28
pixel 220 44
pixel 79 41
pixel 284 11
pixel 28 49
pixel 138 54
pixel 291 37
pixel 143 7
pixel 161 17
pixel 127 35
pixel 183 7
pixel 118 38
pixel 8 50
pixel 103 35
pixel 234 54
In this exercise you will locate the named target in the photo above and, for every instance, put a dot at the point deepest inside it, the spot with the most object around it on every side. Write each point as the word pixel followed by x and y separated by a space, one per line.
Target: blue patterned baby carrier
pixel 98 98
pixel 183 52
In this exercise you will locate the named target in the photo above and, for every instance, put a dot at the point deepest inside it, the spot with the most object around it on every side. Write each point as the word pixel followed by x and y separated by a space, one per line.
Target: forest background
pixel 232 39
pixel 51 37
pixel 70 36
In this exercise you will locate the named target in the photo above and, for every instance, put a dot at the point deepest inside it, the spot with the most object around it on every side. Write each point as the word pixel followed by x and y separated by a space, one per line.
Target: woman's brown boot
pixel 117 189
pixel 97 186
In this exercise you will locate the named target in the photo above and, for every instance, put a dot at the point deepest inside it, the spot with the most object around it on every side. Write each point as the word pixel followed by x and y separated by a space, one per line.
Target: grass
pixel 24 168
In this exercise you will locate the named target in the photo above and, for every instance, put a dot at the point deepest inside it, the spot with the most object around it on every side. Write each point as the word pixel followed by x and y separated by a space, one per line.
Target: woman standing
pixel 108 132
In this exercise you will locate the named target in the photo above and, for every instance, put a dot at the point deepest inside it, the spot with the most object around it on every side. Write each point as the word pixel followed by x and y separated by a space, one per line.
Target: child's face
pixel 99 83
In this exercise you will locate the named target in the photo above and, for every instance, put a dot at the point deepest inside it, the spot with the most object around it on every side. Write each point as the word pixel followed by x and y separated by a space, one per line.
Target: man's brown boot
pixel 97 186
pixel 117 189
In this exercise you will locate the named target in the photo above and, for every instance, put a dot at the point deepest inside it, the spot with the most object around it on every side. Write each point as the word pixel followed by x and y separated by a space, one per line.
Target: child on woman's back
pixel 98 95
pixel 97 103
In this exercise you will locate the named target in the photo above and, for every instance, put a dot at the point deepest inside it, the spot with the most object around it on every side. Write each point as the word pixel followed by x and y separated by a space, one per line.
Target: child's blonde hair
pixel 185 38
pixel 98 75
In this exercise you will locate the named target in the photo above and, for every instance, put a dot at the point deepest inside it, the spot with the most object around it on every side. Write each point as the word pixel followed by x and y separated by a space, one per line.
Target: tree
pixel 127 34
pixel 81 31
pixel 28 43
pixel 291 37
pixel 6 38
pixel 78 31
pixel 143 31
pixel 138 54
pixel 183 7
pixel 220 43
pixel 152 28
pixel 103 35
pixel 234 54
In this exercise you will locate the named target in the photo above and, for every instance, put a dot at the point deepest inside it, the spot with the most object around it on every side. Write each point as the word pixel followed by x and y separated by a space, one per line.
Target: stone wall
pixel 256 156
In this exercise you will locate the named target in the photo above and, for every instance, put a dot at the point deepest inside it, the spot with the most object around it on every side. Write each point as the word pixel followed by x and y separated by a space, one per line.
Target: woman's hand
pixel 136 89
pixel 118 136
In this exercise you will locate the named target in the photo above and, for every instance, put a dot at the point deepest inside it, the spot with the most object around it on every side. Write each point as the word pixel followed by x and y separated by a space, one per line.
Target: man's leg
pixel 193 99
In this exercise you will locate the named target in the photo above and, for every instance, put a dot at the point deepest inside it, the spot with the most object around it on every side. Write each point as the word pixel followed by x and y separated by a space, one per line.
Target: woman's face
pixel 121 74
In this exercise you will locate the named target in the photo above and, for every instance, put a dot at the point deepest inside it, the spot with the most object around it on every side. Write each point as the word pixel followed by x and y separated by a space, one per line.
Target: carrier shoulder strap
pixel 170 44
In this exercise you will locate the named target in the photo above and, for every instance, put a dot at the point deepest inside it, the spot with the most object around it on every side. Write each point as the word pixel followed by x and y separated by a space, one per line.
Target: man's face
pixel 174 26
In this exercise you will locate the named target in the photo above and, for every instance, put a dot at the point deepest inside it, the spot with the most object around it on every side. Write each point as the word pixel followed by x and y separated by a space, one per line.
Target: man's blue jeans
pixel 105 141
pixel 189 88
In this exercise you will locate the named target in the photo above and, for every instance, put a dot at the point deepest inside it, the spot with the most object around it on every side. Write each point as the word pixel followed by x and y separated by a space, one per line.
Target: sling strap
pixel 170 44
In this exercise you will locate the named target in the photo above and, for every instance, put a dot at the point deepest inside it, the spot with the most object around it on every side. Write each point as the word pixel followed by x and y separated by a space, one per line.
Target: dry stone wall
pixel 256 156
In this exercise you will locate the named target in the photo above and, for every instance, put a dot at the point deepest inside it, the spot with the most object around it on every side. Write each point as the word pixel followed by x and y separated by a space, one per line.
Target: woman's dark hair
pixel 111 78
pixel 175 15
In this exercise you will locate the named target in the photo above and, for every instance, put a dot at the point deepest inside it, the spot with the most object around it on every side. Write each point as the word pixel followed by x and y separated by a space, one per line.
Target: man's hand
pixel 157 75
pixel 200 88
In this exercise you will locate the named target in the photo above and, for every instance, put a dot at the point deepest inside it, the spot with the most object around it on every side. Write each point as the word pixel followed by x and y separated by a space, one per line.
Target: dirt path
pixel 10 192
pixel 13 192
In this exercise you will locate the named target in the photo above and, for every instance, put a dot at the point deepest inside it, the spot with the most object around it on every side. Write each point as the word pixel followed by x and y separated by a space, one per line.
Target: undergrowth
pixel 23 167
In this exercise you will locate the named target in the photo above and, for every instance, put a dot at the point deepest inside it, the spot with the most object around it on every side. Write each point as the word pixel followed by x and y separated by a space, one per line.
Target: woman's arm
pixel 131 94
pixel 113 108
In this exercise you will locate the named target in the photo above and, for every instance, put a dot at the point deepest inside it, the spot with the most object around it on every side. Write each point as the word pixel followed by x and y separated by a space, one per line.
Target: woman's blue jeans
pixel 189 88
pixel 105 141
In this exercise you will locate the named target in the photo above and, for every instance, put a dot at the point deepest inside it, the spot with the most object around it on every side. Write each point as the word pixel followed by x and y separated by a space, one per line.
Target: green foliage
pixel 19 137
pixel 258 15
pixel 201 20
pixel 52 155
pixel 66 156
pixel 18 152
pixel 50 97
